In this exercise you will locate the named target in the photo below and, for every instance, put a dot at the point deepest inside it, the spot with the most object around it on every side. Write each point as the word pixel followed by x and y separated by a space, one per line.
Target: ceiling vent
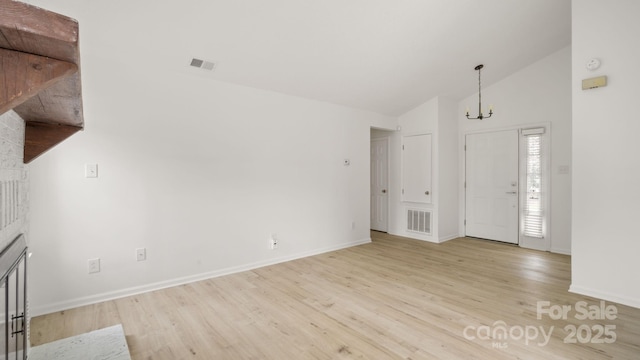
pixel 203 64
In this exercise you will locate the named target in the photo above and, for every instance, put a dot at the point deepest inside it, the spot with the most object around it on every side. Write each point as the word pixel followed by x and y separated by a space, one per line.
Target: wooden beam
pixel 60 103
pixel 40 74
pixel 24 75
pixel 33 30
pixel 40 137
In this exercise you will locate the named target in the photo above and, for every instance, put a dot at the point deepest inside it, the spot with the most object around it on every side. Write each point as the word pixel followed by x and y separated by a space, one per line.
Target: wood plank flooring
pixel 395 298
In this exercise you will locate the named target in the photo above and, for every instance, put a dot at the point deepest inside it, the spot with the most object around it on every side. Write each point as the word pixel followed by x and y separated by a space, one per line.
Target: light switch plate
pixel 91 170
pixel 141 254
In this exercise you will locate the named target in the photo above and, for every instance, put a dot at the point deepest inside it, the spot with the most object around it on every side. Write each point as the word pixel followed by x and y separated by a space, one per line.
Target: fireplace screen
pixel 13 301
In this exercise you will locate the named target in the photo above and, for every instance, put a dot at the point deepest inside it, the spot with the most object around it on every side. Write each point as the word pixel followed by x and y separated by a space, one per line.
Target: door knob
pixel 426 192
pixel 384 191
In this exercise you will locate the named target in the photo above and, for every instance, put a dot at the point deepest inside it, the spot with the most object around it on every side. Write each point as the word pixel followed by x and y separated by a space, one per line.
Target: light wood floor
pixel 392 299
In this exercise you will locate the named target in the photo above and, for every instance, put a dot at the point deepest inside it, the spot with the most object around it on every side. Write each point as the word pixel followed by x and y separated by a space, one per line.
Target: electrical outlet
pixel 353 225
pixel 94 265
pixel 273 241
pixel 141 254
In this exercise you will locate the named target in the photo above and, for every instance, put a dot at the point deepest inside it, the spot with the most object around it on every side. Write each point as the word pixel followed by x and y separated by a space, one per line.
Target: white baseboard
pixel 605 296
pixel 427 238
pixel 93 299
pixel 448 237
pixel 414 236
pixel 561 251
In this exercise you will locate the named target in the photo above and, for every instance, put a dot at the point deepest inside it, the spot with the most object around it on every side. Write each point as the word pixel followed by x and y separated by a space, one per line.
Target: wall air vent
pixel 203 64
pixel 419 221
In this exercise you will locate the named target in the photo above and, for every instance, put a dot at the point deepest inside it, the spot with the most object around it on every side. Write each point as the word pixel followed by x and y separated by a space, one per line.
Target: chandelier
pixel 480 116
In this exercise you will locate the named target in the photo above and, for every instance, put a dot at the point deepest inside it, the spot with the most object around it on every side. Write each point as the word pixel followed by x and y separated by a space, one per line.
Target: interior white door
pixel 492 186
pixel 416 168
pixel 379 184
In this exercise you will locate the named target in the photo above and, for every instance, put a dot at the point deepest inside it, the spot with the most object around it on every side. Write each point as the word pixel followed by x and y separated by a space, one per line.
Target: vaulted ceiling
pixel 386 56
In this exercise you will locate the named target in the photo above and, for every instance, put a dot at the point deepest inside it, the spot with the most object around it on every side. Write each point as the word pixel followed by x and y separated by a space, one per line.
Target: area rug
pixel 104 344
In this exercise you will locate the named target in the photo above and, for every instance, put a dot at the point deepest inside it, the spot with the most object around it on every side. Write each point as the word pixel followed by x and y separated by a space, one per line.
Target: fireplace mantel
pixel 40 73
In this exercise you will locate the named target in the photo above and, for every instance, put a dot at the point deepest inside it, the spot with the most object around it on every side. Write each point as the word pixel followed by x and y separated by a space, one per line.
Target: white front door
pixel 492 186
pixel 379 184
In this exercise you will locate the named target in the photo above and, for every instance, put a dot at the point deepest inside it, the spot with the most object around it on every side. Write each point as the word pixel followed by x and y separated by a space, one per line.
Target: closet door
pixel 416 168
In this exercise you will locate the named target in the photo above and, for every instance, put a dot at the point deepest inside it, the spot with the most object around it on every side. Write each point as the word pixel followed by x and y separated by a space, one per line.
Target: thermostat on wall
pixel 593 83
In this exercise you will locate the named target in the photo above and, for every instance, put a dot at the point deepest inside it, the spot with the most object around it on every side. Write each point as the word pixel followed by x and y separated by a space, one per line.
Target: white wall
pixel 606 171
pixel 199 173
pixel 447 160
pixel 537 94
